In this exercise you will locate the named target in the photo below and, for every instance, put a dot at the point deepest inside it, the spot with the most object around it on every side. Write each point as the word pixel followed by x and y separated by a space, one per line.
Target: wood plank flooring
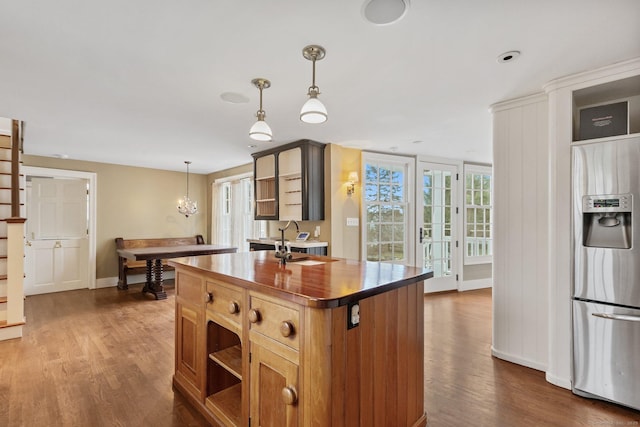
pixel 465 386
pixel 105 358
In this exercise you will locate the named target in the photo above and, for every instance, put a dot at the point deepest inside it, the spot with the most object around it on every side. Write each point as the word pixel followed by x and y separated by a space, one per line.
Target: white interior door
pixel 437 221
pixel 57 251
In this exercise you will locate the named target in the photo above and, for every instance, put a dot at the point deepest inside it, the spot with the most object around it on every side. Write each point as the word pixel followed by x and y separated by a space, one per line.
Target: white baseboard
pixel 558 381
pixel 10 332
pixel 555 380
pixel 470 285
pixel 518 360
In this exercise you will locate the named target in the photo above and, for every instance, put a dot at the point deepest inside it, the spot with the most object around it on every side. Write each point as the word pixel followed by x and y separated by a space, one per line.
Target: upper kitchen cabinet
pixel 289 182
pixel 265 186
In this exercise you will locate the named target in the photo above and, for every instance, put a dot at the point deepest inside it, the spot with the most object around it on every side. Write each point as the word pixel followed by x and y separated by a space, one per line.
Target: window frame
pixel 408 165
pixel 477 170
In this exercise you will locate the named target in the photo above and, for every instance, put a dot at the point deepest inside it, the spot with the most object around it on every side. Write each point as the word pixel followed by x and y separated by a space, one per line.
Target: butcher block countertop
pixel 309 280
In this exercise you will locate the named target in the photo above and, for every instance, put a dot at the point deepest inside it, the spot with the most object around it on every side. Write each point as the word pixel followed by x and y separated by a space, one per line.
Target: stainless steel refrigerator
pixel 606 275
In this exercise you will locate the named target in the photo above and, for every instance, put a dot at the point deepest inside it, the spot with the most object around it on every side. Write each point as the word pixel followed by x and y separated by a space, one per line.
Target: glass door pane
pixel 436 248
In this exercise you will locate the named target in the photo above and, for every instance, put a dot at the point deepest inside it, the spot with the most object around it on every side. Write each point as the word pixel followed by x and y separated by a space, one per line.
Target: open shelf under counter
pixel 227 405
pixel 230 358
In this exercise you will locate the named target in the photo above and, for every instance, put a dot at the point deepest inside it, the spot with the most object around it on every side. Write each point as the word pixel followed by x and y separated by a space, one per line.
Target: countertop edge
pixel 305 300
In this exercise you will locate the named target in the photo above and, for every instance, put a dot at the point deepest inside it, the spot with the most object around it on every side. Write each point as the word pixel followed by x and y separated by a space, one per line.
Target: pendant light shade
pixel 260 131
pixel 313 111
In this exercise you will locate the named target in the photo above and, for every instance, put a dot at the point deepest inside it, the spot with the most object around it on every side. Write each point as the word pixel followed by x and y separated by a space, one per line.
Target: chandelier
pixel 186 206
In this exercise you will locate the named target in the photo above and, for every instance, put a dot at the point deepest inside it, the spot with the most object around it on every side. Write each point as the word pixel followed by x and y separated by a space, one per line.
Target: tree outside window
pixel 386 211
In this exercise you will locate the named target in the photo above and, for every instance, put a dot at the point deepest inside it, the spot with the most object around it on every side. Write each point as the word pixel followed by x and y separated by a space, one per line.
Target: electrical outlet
pixel 353 314
pixel 353 222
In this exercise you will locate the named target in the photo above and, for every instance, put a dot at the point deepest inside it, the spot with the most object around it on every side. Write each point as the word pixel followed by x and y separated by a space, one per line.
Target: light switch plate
pixel 353 222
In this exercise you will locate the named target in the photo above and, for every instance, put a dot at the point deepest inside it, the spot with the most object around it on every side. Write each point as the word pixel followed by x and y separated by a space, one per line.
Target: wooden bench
pixel 127 266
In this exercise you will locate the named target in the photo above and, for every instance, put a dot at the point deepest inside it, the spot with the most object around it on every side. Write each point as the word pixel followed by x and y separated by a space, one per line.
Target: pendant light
pixel 313 111
pixel 187 206
pixel 260 131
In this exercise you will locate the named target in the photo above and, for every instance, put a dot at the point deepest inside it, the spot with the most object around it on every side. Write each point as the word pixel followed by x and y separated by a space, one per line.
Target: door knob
pixel 58 244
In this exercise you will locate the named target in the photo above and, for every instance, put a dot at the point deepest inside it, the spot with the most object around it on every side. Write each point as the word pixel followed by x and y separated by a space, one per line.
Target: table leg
pixel 154 279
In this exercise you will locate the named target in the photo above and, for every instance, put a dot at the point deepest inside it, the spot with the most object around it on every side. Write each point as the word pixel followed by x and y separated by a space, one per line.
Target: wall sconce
pixel 351 183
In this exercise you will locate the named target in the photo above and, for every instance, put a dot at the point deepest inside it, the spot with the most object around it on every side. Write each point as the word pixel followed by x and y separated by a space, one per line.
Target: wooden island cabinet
pixel 316 342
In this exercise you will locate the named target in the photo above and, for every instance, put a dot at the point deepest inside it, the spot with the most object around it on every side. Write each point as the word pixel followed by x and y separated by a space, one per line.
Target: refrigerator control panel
pixel 607 203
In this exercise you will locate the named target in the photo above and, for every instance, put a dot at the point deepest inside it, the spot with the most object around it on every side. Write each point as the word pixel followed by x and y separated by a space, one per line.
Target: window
pixel 386 208
pixel 233 213
pixel 478 241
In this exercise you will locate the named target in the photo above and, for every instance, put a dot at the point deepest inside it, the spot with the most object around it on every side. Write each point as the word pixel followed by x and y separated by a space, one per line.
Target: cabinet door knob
pixel 234 307
pixel 208 297
pixel 254 316
pixel 286 328
pixel 289 395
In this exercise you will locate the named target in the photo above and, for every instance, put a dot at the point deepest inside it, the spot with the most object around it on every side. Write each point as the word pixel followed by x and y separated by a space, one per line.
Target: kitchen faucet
pixel 284 252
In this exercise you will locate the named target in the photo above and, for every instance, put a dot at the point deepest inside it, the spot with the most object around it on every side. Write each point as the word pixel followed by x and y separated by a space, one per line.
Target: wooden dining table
pixel 154 255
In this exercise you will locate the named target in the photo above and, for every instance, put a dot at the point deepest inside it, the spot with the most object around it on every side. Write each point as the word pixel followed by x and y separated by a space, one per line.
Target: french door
pixel 436 218
pixel 411 216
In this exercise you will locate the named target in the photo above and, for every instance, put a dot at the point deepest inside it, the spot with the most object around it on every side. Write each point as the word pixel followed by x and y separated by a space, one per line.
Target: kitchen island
pixel 316 342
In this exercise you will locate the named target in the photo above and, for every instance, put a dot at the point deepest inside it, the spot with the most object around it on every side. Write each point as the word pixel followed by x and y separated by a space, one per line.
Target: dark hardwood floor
pixel 105 358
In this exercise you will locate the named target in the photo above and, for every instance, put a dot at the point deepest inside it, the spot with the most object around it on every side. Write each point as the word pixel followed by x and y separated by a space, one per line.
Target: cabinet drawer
pixel 225 303
pixel 275 321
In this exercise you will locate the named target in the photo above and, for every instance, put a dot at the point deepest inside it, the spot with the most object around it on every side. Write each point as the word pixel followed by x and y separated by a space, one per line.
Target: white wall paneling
pixel 520 268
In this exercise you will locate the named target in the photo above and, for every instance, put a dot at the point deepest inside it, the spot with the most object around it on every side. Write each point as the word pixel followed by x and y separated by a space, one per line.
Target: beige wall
pixel 477 271
pixel 135 203
pixel 345 240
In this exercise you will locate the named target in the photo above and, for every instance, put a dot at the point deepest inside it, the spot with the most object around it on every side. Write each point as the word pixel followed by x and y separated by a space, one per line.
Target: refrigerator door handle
pixel 617 317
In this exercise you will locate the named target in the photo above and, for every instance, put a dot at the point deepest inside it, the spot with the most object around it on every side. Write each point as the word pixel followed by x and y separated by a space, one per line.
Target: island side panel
pixel 370 375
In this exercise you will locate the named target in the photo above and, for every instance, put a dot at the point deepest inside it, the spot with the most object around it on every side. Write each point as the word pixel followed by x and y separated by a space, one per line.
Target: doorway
pixel 60 230
pixel 438 225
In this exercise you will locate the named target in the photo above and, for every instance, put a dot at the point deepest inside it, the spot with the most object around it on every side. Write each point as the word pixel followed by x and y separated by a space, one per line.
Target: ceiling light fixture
pixel 384 12
pixel 186 206
pixel 313 111
pixel 260 131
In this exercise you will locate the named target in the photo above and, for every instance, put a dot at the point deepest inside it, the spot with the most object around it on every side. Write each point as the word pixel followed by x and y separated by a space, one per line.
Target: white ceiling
pixel 139 82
